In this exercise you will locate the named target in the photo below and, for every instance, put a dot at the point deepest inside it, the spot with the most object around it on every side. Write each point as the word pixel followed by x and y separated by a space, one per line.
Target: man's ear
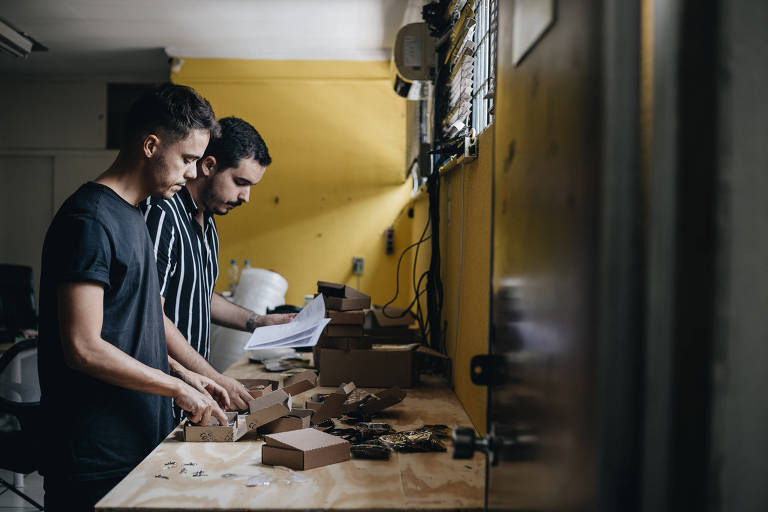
pixel 150 145
pixel 207 165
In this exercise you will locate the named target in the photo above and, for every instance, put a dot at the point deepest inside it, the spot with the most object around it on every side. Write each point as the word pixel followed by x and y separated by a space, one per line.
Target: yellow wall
pixel 466 259
pixel 466 280
pixel 336 134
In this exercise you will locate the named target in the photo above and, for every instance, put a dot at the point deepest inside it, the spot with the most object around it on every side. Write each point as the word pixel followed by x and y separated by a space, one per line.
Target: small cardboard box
pixel 339 290
pixel 294 420
pixel 304 449
pixel 383 366
pixel 342 297
pixel 332 406
pixel 390 327
pixel 354 400
pixel 342 331
pixel 315 401
pixel 344 343
pixel 356 317
pixel 393 335
pixel 259 387
pixel 216 432
pixel 268 408
pixel 300 382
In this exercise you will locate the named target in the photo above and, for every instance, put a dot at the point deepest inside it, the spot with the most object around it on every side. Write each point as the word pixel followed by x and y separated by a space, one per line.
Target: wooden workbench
pixel 408 481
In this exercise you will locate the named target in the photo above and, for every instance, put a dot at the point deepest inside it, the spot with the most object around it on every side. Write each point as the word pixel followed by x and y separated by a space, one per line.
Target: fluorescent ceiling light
pixel 17 43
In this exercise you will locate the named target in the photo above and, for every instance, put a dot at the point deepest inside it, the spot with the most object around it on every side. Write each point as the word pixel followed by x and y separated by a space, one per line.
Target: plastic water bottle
pixel 234 274
pixel 246 265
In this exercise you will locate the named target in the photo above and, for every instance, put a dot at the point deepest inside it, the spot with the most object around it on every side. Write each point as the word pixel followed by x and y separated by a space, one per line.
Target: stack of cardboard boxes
pixel 371 346
pixel 346 307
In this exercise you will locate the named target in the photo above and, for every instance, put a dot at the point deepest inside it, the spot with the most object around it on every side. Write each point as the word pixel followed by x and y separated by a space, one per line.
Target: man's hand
pixel 276 319
pixel 198 406
pixel 239 396
pixel 207 386
pixel 231 315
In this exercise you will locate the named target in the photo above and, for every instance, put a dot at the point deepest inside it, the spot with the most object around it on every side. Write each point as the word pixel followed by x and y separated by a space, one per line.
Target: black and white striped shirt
pixel 187 264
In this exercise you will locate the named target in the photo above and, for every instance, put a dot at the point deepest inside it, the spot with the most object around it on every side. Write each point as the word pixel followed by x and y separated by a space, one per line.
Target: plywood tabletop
pixel 215 476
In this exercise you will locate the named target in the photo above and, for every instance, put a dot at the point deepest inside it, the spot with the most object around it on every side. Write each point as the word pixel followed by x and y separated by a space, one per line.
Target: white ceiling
pixel 108 37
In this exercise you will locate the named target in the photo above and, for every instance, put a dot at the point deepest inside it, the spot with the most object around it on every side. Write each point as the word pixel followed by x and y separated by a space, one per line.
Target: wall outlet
pixel 357 266
pixel 389 247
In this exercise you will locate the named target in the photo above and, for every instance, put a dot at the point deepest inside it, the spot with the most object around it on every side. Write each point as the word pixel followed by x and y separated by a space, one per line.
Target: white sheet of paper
pixel 303 331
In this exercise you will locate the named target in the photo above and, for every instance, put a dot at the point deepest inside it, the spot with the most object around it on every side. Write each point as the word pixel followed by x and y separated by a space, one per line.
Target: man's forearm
pixel 189 358
pixel 227 314
pixel 175 367
pixel 80 307
pixel 108 363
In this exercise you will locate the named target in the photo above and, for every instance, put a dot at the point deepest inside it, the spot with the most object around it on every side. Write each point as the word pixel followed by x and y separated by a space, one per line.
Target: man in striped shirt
pixel 186 246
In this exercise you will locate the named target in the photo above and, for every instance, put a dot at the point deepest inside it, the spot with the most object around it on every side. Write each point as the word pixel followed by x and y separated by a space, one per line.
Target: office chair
pixel 17 301
pixel 20 397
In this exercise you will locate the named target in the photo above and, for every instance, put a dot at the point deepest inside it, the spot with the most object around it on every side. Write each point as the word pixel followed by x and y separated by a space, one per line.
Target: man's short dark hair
pixel 170 109
pixel 238 140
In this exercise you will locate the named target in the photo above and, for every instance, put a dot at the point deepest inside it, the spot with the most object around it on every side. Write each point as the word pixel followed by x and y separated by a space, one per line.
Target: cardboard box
pixel 342 331
pixel 356 317
pixel 295 420
pixel 268 408
pixel 344 343
pixel 331 289
pixel 348 303
pixel 354 400
pixel 392 335
pixel 383 366
pixel 259 387
pixel 300 382
pixel 304 449
pixel 390 328
pixel 214 431
pixel 315 401
pixel 342 297
pixel 332 406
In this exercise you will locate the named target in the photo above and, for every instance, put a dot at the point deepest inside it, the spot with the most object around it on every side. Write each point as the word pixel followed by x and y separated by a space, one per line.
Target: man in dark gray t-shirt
pixel 103 361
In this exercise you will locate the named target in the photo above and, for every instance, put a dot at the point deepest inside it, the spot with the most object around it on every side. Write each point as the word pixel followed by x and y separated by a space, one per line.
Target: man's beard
pixel 209 199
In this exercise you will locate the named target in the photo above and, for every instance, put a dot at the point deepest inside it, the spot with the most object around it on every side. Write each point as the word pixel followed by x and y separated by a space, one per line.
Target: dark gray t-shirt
pixel 95 430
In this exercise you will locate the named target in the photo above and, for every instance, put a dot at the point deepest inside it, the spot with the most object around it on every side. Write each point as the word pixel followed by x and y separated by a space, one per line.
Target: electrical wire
pixel 434 281
pixel 416 285
pixel 421 240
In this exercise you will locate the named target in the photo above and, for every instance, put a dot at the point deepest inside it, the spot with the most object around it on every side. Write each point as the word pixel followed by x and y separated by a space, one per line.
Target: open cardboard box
pixel 303 449
pixel 315 401
pixel 332 406
pixel 342 297
pixel 300 382
pixel 268 408
pixel 382 366
pixel 216 432
pixel 294 420
pixel 259 387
